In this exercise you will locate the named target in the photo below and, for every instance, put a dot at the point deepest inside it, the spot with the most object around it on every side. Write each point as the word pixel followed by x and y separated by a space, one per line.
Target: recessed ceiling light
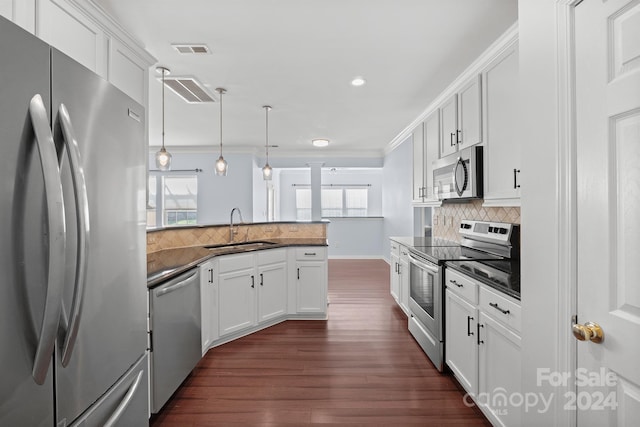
pixel 358 81
pixel 320 142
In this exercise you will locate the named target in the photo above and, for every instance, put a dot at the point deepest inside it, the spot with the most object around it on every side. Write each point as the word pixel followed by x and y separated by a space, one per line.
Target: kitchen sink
pixel 240 246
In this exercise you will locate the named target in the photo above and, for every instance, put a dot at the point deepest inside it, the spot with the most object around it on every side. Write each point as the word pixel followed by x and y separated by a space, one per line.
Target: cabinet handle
pixel 399 271
pixel 460 285
pixel 451 138
pixel 458 134
pixel 469 332
pixel 310 254
pixel 261 280
pixel 253 281
pixel 497 307
pixel 478 337
pixel 211 275
pixel 515 178
pixel 298 274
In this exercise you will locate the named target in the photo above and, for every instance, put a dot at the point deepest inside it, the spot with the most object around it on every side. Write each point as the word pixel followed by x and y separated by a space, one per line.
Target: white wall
pixel 217 195
pixel 396 194
pixel 540 205
pixel 348 237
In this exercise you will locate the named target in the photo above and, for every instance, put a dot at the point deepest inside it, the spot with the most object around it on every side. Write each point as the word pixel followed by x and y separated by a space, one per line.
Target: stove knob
pixel 490 229
pixel 503 231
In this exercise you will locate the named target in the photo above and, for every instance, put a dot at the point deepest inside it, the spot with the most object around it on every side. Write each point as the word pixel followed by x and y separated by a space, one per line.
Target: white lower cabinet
pixel 311 274
pixel 236 293
pixel 404 279
pixel 243 293
pixel 499 369
pixel 461 345
pixel 272 288
pixel 208 305
pixel 482 346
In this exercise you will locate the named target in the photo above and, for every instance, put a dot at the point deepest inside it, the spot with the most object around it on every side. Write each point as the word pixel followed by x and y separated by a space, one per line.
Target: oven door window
pixel 423 289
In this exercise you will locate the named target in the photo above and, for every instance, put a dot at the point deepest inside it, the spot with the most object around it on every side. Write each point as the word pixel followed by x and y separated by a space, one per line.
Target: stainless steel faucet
pixel 231 223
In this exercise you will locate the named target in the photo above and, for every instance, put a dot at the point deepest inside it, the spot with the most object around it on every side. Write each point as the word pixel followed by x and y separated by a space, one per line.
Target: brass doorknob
pixel 588 332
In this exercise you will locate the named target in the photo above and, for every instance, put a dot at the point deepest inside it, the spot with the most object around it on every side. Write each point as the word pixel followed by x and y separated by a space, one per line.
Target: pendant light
pixel 163 157
pixel 221 164
pixel 267 172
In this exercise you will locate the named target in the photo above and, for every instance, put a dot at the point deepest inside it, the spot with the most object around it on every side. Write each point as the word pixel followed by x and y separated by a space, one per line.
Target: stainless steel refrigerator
pixel 72 243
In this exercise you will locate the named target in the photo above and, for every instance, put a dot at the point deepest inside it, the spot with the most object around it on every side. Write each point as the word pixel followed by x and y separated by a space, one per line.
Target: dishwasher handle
pixel 175 287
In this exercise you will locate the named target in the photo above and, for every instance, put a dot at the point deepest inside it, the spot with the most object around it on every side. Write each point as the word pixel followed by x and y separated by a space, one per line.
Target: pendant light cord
pixel 163 73
pixel 221 91
pixel 267 108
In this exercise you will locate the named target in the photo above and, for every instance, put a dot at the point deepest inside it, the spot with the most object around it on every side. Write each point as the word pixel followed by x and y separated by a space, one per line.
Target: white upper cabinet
pixel 426 147
pixel 461 117
pixel 66 29
pixel 82 31
pixel 418 164
pixel 449 118
pixel 502 136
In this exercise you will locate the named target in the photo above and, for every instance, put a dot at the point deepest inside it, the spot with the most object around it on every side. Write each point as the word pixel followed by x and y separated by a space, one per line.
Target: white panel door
pixel 608 208
pixel 449 128
pixel 470 113
pixel 272 291
pixel 236 301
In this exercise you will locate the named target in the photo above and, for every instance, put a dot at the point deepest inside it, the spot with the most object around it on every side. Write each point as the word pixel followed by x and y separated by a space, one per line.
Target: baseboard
pixel 356 257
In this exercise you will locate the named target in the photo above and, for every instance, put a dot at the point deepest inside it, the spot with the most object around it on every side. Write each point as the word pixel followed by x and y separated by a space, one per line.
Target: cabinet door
pixel 272 291
pixel 404 282
pixel 449 127
pixel 394 281
pixel 502 143
pixel 208 306
pixel 418 164
pixel 431 151
pixel 499 370
pixel 312 287
pixel 236 297
pixel 470 113
pixel 461 319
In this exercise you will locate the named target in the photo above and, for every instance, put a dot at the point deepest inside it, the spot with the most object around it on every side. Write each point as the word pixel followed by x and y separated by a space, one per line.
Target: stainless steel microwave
pixel 459 176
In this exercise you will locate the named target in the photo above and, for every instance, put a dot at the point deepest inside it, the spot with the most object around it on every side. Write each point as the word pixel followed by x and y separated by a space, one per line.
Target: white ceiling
pixel 299 56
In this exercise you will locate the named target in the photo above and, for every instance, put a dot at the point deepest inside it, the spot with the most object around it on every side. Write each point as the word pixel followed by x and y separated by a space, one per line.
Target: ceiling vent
pixel 188 49
pixel 189 89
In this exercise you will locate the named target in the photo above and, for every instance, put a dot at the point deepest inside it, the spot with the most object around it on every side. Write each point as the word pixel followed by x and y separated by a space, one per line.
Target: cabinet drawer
pixel 235 262
pixel 318 253
pixel 404 253
pixel 395 248
pixel 502 308
pixel 271 256
pixel 461 285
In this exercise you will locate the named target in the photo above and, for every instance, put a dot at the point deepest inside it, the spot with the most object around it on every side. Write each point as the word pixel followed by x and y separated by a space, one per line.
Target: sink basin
pixel 245 246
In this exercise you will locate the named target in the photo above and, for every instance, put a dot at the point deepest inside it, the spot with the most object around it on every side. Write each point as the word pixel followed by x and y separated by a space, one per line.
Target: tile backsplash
pixel 446 219
pixel 219 234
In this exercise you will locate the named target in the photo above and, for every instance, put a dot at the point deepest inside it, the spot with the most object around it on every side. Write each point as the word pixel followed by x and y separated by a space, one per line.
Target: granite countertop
pixel 165 264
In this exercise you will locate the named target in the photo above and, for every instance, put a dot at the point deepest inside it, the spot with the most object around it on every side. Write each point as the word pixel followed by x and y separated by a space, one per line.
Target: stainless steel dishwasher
pixel 175 334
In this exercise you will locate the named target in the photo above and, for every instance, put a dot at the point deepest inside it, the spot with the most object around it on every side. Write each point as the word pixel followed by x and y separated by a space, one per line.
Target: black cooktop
pixel 440 254
pixel 503 275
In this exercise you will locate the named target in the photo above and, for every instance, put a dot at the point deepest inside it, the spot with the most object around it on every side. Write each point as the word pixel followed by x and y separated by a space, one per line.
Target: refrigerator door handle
pixel 57 238
pixel 82 214
pixel 126 400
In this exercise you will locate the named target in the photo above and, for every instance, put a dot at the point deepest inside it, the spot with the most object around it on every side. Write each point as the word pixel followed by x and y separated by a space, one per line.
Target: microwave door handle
pixel 57 238
pixel 82 218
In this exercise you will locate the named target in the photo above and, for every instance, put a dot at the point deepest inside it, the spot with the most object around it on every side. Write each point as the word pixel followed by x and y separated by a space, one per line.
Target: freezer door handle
pixel 57 238
pixel 82 214
pixel 126 400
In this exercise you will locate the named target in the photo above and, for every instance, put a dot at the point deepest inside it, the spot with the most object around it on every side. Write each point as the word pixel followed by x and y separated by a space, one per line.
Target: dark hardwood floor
pixel 359 367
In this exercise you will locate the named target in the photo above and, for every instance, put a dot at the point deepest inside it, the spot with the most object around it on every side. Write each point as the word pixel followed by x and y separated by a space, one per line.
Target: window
pixel 336 202
pixel 303 204
pixel 176 197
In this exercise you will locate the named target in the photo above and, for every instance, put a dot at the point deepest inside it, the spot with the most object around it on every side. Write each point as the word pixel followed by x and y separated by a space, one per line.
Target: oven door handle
pixel 422 264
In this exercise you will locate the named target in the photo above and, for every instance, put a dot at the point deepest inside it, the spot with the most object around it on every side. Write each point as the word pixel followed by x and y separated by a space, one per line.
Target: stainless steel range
pixel 493 244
